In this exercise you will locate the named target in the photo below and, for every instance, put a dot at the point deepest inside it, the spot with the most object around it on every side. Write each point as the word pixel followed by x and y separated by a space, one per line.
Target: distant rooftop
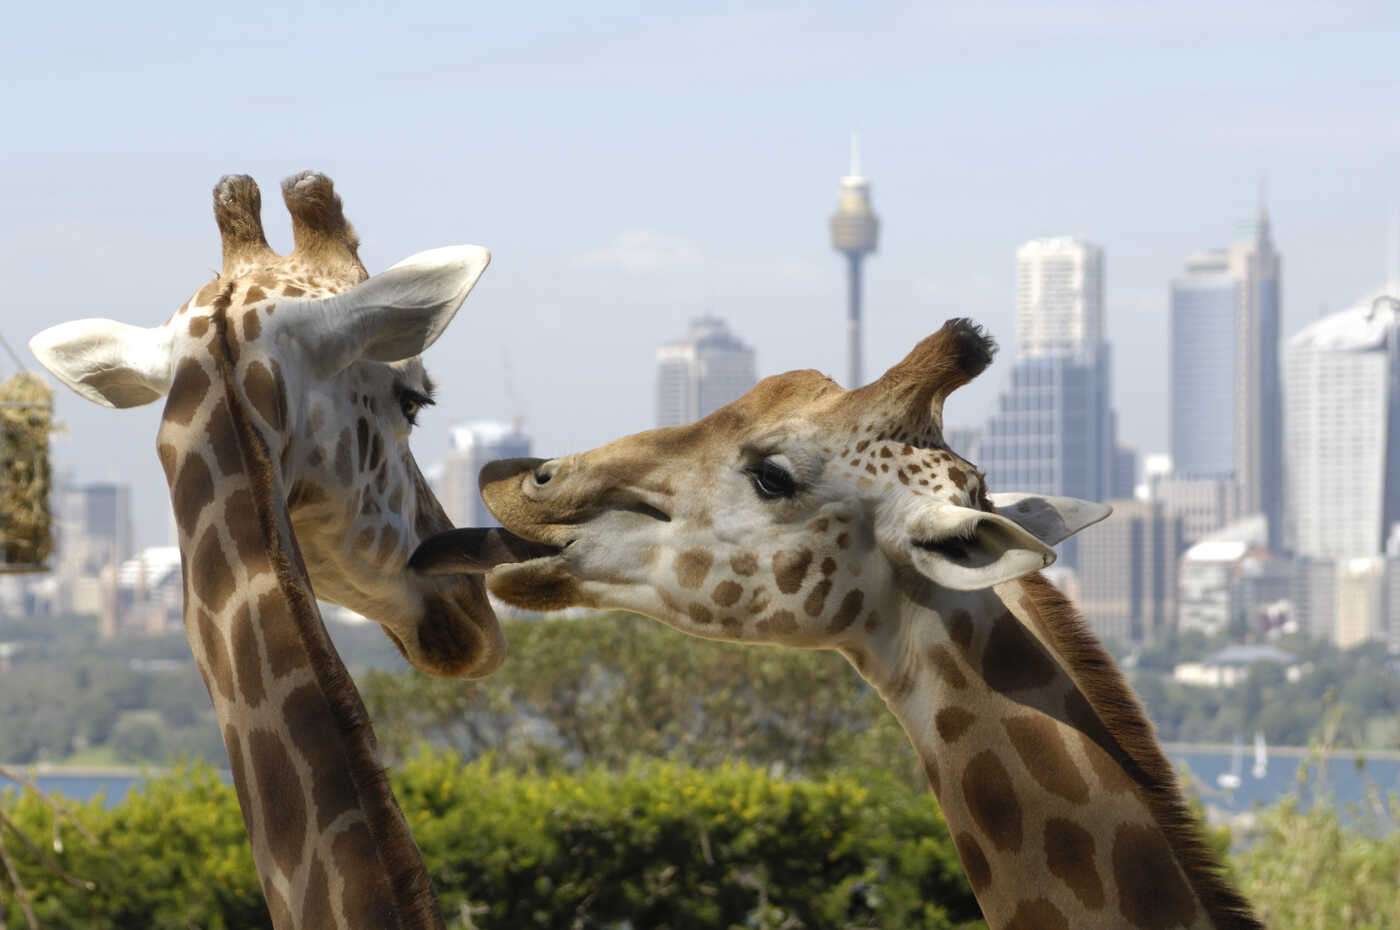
pixel 1248 655
pixel 1356 329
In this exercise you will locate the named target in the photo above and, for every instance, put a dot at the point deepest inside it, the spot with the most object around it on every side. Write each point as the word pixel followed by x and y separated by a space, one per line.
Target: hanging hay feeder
pixel 26 526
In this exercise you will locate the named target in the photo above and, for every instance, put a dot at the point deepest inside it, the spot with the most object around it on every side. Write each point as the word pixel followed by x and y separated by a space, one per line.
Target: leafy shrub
pixel 659 845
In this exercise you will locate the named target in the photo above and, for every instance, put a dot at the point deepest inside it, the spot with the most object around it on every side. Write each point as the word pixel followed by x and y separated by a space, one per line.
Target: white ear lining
pixel 1050 519
pixel 966 550
pixel 106 362
pixel 396 314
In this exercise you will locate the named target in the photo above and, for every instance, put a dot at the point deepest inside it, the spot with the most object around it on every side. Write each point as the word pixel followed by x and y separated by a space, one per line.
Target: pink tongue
pixel 474 551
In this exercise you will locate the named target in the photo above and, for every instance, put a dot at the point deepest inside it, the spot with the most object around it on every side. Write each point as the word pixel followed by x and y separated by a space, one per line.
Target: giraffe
pixel 291 384
pixel 811 516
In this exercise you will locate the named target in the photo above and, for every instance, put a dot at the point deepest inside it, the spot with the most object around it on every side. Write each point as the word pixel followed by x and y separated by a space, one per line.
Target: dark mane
pixel 1121 715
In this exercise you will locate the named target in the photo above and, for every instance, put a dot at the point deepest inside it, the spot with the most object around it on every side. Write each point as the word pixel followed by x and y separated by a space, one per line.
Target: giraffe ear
pixel 107 362
pixel 966 550
pixel 394 315
pixel 1052 520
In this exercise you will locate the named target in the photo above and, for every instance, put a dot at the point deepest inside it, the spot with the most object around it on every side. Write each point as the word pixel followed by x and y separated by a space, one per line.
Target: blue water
pixel 1340 777
pixel 1343 779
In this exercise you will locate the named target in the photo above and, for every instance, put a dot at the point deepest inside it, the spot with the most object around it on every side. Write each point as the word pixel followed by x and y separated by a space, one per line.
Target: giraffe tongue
pixel 474 551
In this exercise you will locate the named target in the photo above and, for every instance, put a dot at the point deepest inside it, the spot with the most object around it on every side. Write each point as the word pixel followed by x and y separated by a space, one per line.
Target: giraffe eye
pixel 410 402
pixel 772 480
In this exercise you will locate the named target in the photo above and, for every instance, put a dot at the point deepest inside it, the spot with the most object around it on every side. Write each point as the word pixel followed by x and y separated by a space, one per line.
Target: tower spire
pixel 854 231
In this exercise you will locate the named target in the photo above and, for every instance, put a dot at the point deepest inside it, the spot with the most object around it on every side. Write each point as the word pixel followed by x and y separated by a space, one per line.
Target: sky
pixel 634 165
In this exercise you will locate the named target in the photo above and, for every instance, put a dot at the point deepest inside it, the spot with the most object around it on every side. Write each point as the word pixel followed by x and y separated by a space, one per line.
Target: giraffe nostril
pixel 543 475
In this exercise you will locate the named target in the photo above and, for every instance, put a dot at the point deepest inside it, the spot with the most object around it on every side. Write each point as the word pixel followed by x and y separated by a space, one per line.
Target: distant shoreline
pixel 1380 755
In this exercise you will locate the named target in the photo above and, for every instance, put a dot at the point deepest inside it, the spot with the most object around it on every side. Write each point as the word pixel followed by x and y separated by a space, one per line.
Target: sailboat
pixel 1261 755
pixel 1231 780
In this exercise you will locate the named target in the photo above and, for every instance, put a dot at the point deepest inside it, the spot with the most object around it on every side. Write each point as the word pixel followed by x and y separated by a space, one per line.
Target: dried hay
pixel 26 419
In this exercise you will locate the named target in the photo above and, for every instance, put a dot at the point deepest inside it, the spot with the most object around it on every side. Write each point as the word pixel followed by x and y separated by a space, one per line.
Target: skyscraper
pixel 1254 263
pixel 700 372
pixel 1059 298
pixel 1052 431
pixel 1202 358
pixel 854 232
pixel 473 445
pixel 1127 573
pixel 1342 391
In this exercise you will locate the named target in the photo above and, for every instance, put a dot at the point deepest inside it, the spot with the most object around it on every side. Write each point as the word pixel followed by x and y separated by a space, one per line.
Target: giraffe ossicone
pixel 807 515
pixel 292 384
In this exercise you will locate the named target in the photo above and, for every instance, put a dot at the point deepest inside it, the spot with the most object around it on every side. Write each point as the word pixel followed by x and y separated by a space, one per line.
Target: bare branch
pixel 21 895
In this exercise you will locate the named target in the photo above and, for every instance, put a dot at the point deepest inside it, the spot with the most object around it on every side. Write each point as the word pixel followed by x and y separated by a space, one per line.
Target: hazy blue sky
pixel 633 165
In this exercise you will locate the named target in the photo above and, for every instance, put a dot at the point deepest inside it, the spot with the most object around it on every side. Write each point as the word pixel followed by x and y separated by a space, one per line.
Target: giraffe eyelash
pixel 411 401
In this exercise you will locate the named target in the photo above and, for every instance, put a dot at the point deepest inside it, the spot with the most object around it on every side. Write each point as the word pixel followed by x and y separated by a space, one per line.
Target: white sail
pixel 1231 780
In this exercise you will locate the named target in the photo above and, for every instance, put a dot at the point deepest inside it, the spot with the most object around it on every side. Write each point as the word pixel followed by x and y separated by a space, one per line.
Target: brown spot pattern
pixel 1152 892
pixel 210 574
pixel 744 563
pixel 700 613
pixel 958 477
pixel 308 715
pixel 727 593
pixel 1013 659
pixel 816 599
pixel 790 568
pixel 224 440
pixel 952 722
pixel 262 390
pixel 216 661
pixel 344 468
pixel 252 326
pixel 947 666
pixel 316 902
pixel 370 896
pixel 1038 743
pixel 192 491
pixel 991 799
pixel 979 873
pixel 828 566
pixel 780 622
pixel 241 521
pixel 361 442
pixel 247 657
pixel 847 613
pixel 281 798
pixel 1037 914
pixel 692 566
pixel 187 392
pixel 1108 760
pixel 960 628
pixel 1069 851
pixel 284 650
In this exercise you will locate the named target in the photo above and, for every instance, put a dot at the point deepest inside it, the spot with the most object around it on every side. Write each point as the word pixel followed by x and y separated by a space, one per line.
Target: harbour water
pixel 1345 776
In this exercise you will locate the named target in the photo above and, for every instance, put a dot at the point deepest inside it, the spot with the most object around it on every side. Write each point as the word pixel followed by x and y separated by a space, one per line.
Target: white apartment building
pixel 1342 461
pixel 1059 298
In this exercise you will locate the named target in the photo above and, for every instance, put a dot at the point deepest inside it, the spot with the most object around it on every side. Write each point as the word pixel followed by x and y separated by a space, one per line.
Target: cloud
pixel 643 251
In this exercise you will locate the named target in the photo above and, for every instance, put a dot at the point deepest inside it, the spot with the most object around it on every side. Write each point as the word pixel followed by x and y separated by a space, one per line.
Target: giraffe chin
pixel 541 584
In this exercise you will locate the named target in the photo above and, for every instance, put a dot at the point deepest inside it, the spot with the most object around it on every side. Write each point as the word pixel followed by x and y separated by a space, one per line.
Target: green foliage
pixel 657 846
pixel 604 689
pixel 1308 870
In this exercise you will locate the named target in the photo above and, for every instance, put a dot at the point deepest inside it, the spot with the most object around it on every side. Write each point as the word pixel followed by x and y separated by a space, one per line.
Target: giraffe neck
pixel 1061 805
pixel 329 841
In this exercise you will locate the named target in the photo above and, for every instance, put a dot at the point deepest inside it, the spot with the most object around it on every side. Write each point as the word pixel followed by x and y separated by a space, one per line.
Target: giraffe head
pixel 794 515
pixel 322 360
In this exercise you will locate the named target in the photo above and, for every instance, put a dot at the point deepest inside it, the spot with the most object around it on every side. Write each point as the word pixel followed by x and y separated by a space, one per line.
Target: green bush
pixel 658 845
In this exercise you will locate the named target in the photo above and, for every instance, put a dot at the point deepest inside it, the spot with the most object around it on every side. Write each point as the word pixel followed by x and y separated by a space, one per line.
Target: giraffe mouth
pixel 476 550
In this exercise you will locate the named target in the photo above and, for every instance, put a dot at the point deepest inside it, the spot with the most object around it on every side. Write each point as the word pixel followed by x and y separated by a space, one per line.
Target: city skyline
pixel 521 132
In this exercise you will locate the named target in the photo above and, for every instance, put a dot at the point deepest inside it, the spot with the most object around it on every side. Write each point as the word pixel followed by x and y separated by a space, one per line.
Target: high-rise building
pixel 855 231
pixel 1059 298
pixel 1202 359
pixel 1342 394
pixel 1127 573
pixel 1254 263
pixel 473 445
pixel 1052 431
pixel 700 372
